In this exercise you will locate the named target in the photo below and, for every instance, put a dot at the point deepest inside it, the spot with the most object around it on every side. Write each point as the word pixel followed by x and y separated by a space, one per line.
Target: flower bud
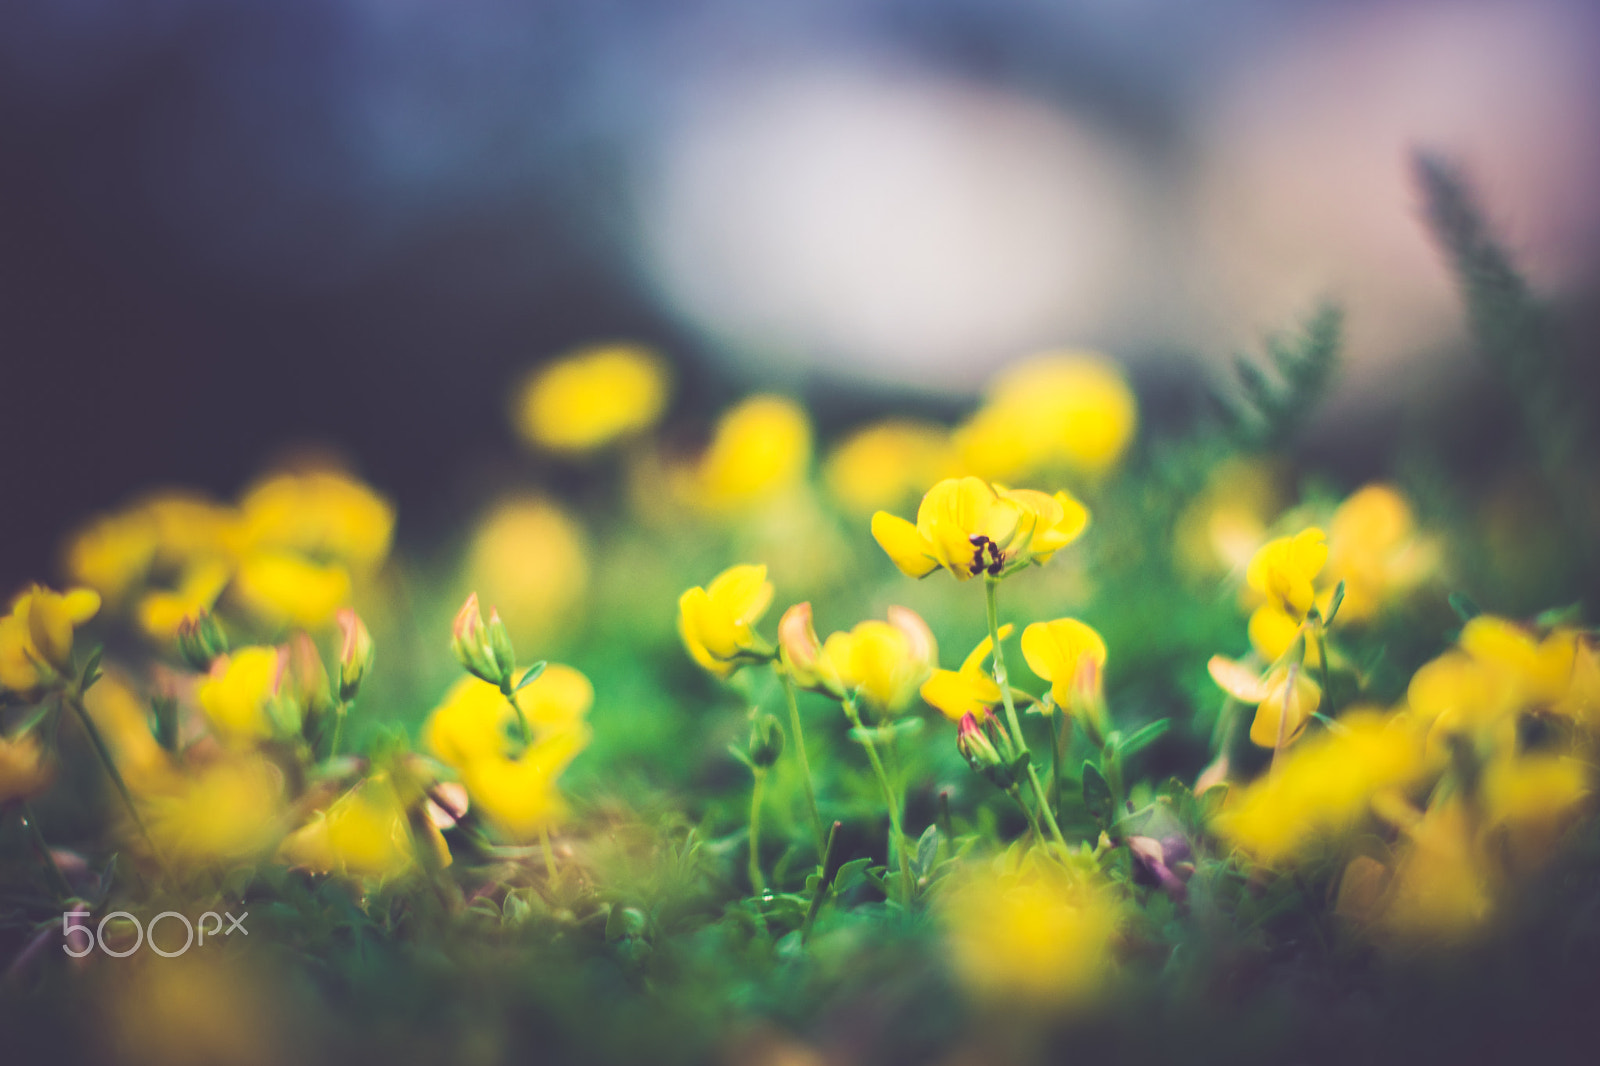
pixel 766 741
pixel 974 744
pixel 472 643
pixel 201 640
pixel 500 645
pixel 799 648
pixel 355 653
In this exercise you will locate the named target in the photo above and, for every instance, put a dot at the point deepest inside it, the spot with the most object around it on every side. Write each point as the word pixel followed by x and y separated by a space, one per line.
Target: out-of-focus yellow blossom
pixel 1282 571
pixel 289 589
pixel 1529 800
pixel 1036 932
pixel 527 558
pixel 319 513
pixel 970 527
pixel 969 690
pixel 1442 889
pixel 203 1007
pixel 474 719
pixel 1374 548
pixel 519 795
pixel 1067 653
pixel 882 662
pixel 716 622
pixel 112 553
pixel 759 450
pixel 1538 670
pixel 883 464
pixel 24 771
pixel 1059 409
pixel 229 811
pixel 1221 529
pixel 1582 699
pixel 1285 697
pixel 592 397
pixel 1323 787
pixel 190 526
pixel 116 553
pixel 36 637
pixel 161 611
pixel 235 697
pixel 365 833
pixel 123 719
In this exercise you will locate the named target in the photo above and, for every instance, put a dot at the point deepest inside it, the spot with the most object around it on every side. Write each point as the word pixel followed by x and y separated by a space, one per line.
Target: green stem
pixel 76 703
pixel 339 709
pixel 758 884
pixel 1033 819
pixel 824 879
pixel 58 880
pixel 1058 755
pixel 896 836
pixel 522 719
pixel 549 853
pixel 805 764
pixel 1111 766
pixel 993 611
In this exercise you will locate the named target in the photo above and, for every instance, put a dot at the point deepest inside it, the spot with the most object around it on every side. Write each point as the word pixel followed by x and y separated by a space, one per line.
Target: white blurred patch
pixel 1306 189
pixel 891 227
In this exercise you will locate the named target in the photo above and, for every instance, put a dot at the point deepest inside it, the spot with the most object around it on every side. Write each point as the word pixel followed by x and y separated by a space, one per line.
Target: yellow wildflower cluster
pixel 36 636
pixel 288 554
pixel 592 397
pixel 970 527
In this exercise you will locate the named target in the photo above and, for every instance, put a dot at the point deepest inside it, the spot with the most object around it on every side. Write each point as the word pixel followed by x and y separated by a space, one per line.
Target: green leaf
pixel 1464 607
pixel 850 875
pixel 927 852
pixel 1335 603
pixel 1143 738
pixel 1097 794
pixel 531 676
pixel 91 669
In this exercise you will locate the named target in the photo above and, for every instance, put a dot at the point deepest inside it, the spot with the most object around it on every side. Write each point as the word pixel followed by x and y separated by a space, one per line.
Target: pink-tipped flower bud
pixel 972 740
pixel 355 652
pixel 201 640
pixel 472 643
pixel 924 649
pixel 799 648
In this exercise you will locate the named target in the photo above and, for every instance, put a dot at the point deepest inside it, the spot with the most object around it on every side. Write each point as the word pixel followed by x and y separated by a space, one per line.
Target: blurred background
pixel 231 228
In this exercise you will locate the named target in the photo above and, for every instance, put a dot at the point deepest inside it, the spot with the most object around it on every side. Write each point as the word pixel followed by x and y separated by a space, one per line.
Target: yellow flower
pixel 519 795
pixel 1222 528
pixel 112 553
pixel 1283 571
pixel 123 718
pixel 161 612
pixel 527 557
pixel 882 662
pixel 884 463
pixel 1323 788
pixel 592 397
pixel 1529 800
pixel 760 449
pixel 231 811
pixel 969 690
pixel 1285 698
pixel 1067 408
pixel 24 773
pixel 1373 547
pixel 716 622
pixel 235 697
pixel 1538 670
pixel 1036 933
pixel 36 637
pixel 365 833
pixel 970 527
pixel 284 588
pixel 474 720
pixel 321 513
pixel 1442 891
pixel 1068 654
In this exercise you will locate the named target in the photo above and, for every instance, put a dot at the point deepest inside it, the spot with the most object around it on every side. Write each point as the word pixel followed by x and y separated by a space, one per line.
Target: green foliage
pixel 1276 403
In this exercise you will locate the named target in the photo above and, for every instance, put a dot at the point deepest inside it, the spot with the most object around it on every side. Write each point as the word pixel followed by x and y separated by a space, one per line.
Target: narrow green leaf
pixel 1097 794
pixel 1143 738
pixel 927 852
pixel 531 676
pixel 1464 607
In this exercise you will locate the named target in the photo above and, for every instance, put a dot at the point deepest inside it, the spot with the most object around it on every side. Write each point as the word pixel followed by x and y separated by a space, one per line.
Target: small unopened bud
pixel 355 653
pixel 974 744
pixel 766 741
pixel 201 640
pixel 500 645
pixel 473 644
pixel 799 648
pixel 1086 700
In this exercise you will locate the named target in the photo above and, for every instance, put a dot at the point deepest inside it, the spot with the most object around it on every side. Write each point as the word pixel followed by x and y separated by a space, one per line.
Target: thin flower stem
pixel 758 884
pixel 1057 756
pixel 58 880
pixel 74 701
pixel 897 836
pixel 993 611
pixel 339 709
pixel 1033 819
pixel 823 881
pixel 805 764
pixel 522 719
pixel 549 853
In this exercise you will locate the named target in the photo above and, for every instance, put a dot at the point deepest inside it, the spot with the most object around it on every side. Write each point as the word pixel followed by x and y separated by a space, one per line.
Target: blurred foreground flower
pixel 1375 549
pixel 592 397
pixel 760 449
pixel 36 637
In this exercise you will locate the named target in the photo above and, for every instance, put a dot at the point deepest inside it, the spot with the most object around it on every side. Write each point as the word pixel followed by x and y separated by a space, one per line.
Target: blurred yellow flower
pixel 969 690
pixel 322 514
pixel 474 719
pixel 229 811
pixel 1071 409
pixel 365 833
pixel 161 611
pixel 527 558
pixel 592 397
pixel 1036 933
pixel 123 719
pixel 1067 653
pixel 716 622
pixel 1282 572
pixel 284 588
pixel 1221 529
pixel 1528 800
pixel 759 450
pixel 236 695
pixel 1323 787
pixel 970 527
pixel 883 464
pixel 1374 548
pixel 205 1007
pixel 24 771
pixel 1285 698
pixel 112 553
pixel 519 795
pixel 1442 890
pixel 884 663
pixel 36 636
